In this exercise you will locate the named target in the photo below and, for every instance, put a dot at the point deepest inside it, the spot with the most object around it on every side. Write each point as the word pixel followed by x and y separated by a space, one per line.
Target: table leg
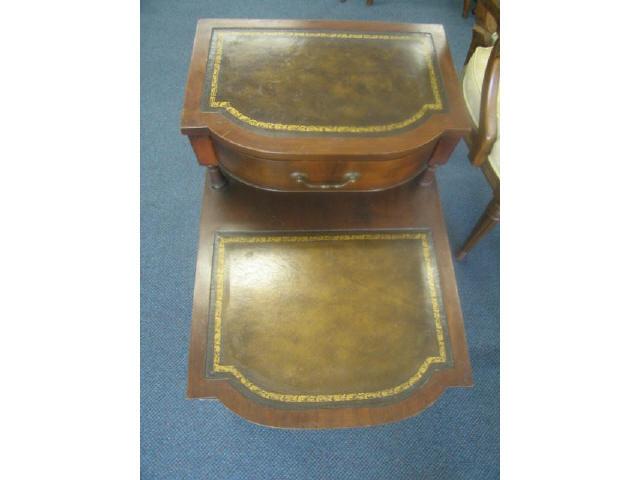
pixel 426 178
pixel 441 154
pixel 216 177
pixel 206 155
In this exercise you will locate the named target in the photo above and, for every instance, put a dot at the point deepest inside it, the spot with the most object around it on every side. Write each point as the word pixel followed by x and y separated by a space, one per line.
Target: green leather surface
pixel 326 318
pixel 306 82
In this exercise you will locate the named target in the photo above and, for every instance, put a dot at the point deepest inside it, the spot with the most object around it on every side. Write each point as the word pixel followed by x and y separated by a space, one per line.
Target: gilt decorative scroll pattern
pixel 435 315
pixel 369 59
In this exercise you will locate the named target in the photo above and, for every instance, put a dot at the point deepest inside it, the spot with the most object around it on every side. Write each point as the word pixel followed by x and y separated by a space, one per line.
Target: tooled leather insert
pixel 326 318
pixel 323 82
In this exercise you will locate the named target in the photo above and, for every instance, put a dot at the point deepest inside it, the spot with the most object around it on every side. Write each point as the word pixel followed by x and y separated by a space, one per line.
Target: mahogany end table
pixel 325 294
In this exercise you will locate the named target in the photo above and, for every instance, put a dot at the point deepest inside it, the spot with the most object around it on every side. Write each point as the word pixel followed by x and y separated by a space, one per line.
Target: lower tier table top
pixel 317 310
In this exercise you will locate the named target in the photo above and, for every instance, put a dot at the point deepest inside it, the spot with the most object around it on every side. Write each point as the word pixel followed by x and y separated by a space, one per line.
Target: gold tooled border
pixel 215 103
pixel 415 378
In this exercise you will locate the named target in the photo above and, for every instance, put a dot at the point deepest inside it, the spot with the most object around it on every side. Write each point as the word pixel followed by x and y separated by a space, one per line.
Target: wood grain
pixel 242 208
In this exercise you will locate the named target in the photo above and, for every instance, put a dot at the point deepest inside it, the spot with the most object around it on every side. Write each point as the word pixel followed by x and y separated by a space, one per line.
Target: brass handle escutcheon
pixel 347 178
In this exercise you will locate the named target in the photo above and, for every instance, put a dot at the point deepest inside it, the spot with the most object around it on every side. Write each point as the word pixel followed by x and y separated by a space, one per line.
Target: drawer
pixel 330 175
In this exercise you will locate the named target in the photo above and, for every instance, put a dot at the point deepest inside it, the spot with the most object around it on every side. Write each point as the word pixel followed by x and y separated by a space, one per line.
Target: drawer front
pixel 323 175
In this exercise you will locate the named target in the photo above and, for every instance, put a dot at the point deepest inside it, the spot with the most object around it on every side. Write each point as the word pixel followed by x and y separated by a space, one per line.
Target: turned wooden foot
pixel 369 2
pixel 427 177
pixel 489 218
pixel 216 178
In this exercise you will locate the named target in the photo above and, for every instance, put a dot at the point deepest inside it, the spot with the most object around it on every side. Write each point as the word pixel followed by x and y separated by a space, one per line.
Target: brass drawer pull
pixel 348 178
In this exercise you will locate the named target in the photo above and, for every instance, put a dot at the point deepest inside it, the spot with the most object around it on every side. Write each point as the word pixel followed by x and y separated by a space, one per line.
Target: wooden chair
pixel 466 7
pixel 480 88
pixel 486 27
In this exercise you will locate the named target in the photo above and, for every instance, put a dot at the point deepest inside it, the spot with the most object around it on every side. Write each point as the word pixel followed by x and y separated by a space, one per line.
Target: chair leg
pixel 466 8
pixel 369 2
pixel 489 218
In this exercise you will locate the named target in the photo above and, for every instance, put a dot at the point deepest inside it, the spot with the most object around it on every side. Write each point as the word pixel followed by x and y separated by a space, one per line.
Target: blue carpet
pixel 457 438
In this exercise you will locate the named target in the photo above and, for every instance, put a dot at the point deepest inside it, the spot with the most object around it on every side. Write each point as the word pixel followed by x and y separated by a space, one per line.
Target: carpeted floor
pixel 457 438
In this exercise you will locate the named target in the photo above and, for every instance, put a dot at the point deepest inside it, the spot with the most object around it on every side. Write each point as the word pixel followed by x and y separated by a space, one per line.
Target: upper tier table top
pixel 315 88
